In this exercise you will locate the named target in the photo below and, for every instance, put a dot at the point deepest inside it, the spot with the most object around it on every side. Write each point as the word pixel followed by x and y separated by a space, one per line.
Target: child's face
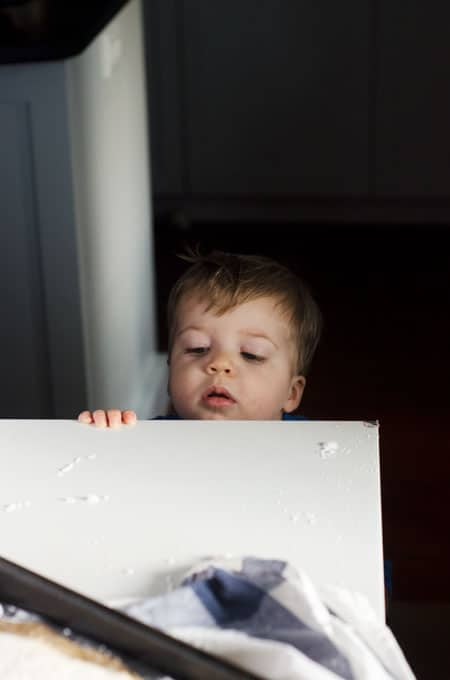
pixel 237 366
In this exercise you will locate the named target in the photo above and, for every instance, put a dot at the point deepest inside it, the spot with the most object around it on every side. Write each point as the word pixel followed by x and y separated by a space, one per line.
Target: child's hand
pixel 110 418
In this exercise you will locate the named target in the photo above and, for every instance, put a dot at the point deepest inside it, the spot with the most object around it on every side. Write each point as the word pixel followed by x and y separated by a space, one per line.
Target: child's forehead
pixel 198 306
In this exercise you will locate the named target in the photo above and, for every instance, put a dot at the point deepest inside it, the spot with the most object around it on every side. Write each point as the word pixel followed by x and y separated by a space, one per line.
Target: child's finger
pixel 129 417
pixel 85 418
pixel 114 417
pixel 99 418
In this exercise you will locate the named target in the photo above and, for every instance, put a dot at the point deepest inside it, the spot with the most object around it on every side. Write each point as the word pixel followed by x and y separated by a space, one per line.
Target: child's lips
pixel 217 395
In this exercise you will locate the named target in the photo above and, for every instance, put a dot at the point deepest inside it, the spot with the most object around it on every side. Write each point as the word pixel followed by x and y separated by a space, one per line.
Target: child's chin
pixel 219 415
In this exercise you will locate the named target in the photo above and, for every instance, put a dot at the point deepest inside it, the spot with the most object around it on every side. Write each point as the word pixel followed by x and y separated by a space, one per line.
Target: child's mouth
pixel 218 396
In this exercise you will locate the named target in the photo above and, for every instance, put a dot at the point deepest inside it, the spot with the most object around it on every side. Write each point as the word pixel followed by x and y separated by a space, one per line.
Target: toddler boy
pixel 242 333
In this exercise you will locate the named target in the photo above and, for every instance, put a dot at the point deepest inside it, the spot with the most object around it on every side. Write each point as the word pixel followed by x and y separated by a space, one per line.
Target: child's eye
pixel 248 356
pixel 196 350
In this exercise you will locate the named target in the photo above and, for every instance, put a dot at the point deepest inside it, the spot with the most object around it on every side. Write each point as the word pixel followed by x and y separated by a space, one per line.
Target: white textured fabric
pixel 269 659
pixel 346 617
pixel 26 658
pixel 359 621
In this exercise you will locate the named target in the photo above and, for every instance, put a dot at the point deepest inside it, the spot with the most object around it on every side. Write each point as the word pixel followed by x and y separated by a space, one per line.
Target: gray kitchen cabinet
pixel 23 338
pixel 259 97
pixel 278 92
pixel 41 352
pixel 413 99
pixel 296 110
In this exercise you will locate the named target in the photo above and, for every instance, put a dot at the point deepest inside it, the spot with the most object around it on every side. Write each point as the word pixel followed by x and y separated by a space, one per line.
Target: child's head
pixel 242 333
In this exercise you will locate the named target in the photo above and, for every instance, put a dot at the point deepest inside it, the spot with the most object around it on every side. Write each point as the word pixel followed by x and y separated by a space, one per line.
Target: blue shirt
pixel 286 416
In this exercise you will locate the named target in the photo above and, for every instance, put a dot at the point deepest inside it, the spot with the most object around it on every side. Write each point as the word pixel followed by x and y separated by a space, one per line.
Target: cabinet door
pixel 413 102
pixel 41 344
pixel 276 96
pixel 23 344
pixel 165 95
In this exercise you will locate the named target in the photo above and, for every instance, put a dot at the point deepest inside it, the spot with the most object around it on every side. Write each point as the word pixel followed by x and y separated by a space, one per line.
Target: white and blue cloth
pixel 269 618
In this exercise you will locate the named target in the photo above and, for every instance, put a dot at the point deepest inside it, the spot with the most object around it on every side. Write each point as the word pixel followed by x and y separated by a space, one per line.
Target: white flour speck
pixel 328 449
pixel 91 498
pixel 69 466
pixel 311 518
pixel 13 507
pixel 66 468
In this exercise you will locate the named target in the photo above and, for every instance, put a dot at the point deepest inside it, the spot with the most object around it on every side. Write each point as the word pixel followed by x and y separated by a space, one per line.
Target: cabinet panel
pixel 23 368
pixel 165 94
pixel 413 99
pixel 276 96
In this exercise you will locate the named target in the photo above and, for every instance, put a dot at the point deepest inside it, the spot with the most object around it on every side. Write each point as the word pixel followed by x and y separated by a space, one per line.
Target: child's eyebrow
pixel 189 328
pixel 258 334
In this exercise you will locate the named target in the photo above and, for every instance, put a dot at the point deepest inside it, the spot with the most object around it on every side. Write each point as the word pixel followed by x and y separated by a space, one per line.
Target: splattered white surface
pixel 122 513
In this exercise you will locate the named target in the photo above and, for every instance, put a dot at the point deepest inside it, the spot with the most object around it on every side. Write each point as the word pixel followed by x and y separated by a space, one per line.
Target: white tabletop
pixel 122 513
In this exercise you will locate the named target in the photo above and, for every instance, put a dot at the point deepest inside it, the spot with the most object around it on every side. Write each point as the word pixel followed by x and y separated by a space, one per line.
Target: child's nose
pixel 220 364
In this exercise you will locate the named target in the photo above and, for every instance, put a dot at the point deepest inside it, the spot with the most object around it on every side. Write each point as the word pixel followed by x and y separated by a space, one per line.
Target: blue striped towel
pixel 270 619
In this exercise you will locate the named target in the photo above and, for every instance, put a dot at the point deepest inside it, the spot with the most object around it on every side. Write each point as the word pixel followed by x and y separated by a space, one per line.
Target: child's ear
pixel 296 389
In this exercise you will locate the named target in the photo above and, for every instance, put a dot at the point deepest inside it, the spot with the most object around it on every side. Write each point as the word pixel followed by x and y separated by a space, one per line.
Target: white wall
pixel 110 160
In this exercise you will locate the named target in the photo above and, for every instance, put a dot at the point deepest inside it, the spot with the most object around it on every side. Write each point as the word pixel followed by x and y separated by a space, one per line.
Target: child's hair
pixel 225 280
